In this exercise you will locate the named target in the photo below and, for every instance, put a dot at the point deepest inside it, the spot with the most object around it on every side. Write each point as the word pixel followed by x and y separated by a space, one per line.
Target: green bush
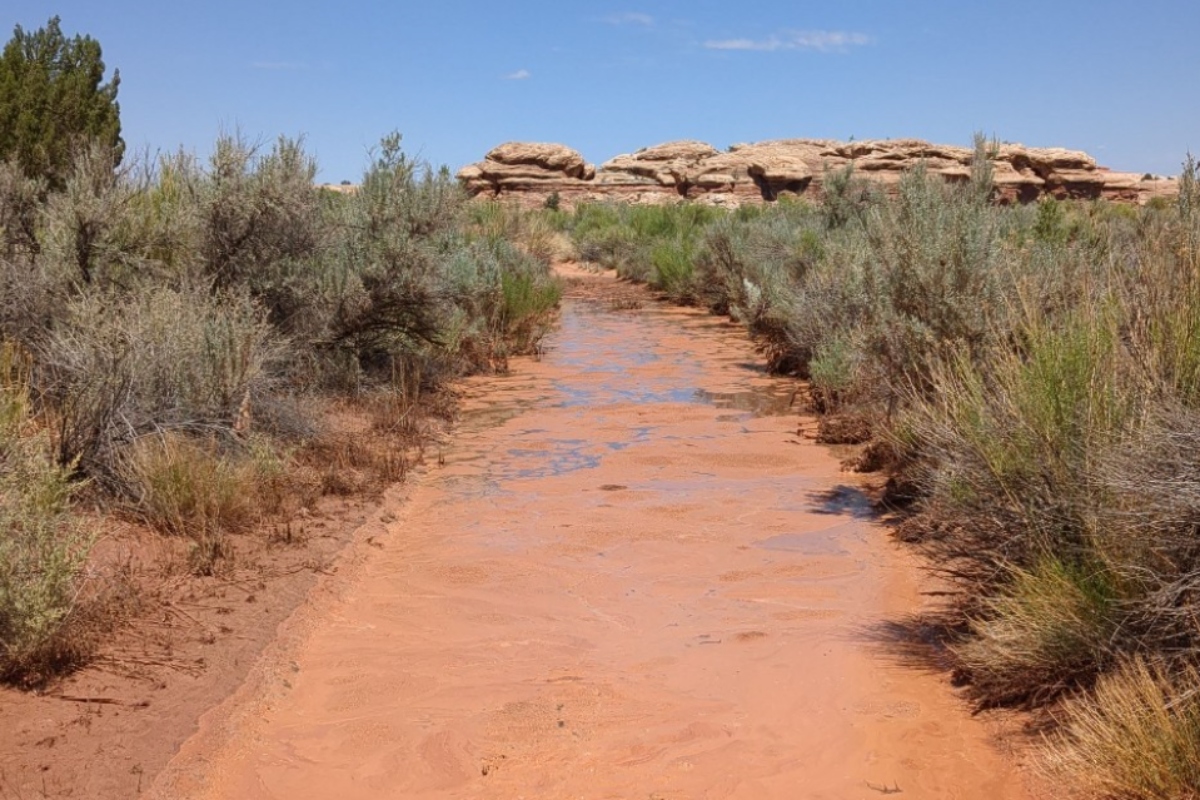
pixel 672 269
pixel 631 238
pixel 43 548
pixel 834 372
pixel 847 197
pixel 528 307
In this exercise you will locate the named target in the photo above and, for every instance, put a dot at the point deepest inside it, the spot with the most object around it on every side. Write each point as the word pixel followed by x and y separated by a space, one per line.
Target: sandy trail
pixel 630 579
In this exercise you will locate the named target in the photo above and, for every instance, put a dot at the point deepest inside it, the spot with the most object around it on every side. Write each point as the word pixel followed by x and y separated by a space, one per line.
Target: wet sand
pixel 628 579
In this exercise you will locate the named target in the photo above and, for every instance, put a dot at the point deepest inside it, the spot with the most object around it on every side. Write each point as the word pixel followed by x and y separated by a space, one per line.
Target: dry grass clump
pixel 186 487
pixel 1051 629
pixel 541 235
pixel 348 463
pixel 1137 737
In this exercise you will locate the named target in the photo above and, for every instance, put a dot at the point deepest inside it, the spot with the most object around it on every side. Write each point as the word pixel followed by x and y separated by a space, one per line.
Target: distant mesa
pixel 530 172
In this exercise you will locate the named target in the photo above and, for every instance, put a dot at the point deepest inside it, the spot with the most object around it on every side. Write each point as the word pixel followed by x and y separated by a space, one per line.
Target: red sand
pixel 621 584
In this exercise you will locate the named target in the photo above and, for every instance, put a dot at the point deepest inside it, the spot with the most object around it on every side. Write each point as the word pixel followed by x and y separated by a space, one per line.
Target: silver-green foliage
pixel 123 365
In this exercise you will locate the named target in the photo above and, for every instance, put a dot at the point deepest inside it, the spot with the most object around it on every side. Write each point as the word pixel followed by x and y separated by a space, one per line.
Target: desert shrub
pixel 1188 200
pixel 613 247
pixel 258 211
pixel 60 244
pixel 846 197
pixel 1011 445
pixel 668 220
pixel 172 217
pixel 538 233
pixel 541 238
pixel 384 307
pixel 121 366
pixel 830 322
pixel 1052 224
pixel 31 298
pixel 626 238
pixel 1146 529
pixel 931 274
pixel 720 264
pixel 20 205
pixel 672 269
pixel 527 307
pixel 85 230
pixel 758 269
pixel 42 547
pixel 590 217
pixel 835 371
pixel 1136 738
pixel 415 278
pixel 603 235
pixel 408 197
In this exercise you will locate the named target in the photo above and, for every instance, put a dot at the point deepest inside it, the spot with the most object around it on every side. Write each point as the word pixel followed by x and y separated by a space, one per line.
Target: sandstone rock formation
pixel 531 172
pixel 528 167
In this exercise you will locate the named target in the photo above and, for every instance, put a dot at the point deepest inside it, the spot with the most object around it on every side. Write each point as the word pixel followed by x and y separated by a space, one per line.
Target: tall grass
pixel 1136 738
pixel 1049 629
pixel 186 487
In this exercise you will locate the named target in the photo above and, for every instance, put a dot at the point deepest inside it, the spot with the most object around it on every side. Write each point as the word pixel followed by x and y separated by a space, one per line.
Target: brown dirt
pixel 628 577
pixel 186 643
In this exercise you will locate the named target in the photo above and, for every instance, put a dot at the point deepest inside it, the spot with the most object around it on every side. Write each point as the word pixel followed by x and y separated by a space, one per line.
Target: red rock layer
pixel 531 172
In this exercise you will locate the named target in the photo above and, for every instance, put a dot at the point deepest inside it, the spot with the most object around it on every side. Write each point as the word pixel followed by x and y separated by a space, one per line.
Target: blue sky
pixel 1113 77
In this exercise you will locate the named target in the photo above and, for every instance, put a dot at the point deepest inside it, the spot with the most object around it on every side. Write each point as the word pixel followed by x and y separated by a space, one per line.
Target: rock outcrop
pixel 528 167
pixel 531 172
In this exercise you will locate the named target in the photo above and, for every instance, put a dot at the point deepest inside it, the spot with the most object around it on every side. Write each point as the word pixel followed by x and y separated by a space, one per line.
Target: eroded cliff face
pixel 530 172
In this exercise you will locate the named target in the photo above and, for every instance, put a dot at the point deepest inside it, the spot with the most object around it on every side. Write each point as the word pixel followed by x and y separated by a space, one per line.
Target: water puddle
pixel 756 403
pixel 830 541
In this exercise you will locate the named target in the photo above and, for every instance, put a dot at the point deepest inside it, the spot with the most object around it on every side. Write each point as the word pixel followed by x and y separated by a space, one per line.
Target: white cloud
pixel 519 75
pixel 818 41
pixel 630 18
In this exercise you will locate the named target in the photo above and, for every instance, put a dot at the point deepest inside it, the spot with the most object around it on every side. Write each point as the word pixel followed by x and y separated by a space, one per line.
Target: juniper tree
pixel 53 96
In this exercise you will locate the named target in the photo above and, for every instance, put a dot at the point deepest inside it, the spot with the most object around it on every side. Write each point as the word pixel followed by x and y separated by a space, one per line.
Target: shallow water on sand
pixel 629 579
